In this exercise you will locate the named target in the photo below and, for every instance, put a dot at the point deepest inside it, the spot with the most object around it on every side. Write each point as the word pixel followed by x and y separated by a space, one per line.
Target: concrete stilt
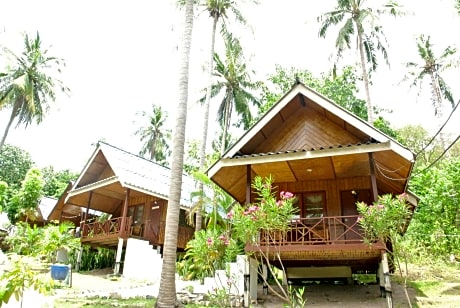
pixel 80 252
pixel 116 270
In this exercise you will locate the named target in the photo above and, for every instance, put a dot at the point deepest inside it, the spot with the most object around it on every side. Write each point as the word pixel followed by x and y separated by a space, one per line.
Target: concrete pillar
pixel 80 252
pixel 118 256
pixel 254 266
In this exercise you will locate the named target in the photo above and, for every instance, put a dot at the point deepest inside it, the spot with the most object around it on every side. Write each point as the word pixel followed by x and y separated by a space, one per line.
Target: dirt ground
pixel 318 295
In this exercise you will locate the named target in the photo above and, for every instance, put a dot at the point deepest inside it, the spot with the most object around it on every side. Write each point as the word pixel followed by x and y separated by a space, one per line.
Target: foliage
pixel 386 219
pixel 42 242
pixel 93 258
pixel 14 164
pixel 267 215
pixel 207 252
pixel 341 88
pixel 431 69
pixel 56 181
pixel 155 136
pixel 436 224
pixel 297 297
pixel 358 21
pixel 21 274
pixel 3 194
pixel 25 201
pixel 234 80
pixel 212 201
pixel 28 85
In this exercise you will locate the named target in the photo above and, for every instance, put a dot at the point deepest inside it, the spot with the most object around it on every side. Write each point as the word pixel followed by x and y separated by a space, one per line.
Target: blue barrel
pixel 59 271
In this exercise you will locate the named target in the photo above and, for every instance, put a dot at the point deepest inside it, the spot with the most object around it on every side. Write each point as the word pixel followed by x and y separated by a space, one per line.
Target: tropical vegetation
pixel 357 20
pixel 28 86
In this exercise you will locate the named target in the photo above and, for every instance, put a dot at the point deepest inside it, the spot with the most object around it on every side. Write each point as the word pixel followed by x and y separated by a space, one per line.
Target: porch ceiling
pixel 390 169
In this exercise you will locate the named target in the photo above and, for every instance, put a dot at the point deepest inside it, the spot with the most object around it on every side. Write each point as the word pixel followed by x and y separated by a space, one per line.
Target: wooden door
pixel 153 224
pixel 348 200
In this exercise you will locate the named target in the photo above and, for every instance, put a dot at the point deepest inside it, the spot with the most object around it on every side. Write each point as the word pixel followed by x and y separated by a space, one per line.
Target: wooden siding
pixel 331 187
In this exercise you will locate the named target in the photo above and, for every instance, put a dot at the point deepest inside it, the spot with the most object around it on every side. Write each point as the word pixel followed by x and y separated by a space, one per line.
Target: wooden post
pixel 125 211
pixel 373 179
pixel 248 184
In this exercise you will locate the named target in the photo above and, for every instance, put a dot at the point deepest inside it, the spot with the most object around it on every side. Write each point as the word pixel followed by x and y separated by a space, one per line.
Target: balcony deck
pixel 325 241
pixel 107 233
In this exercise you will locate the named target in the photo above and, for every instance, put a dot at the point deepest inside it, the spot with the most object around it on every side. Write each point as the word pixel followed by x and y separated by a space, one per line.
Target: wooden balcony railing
pixel 108 227
pixel 321 230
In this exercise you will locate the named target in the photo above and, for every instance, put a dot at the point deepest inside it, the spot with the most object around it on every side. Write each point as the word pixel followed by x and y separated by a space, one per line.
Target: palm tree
pixel 28 86
pixel 167 290
pixel 236 84
pixel 356 19
pixel 431 68
pixel 217 9
pixel 155 136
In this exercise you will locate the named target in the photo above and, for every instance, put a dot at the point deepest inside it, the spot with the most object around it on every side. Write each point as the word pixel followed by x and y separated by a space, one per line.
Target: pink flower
pixel 279 203
pixel 230 215
pixel 223 238
pixel 286 195
pixel 380 206
pixel 209 241
pixel 360 218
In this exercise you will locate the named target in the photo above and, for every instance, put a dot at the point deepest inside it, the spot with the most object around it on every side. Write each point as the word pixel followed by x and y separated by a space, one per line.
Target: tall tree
pixel 167 291
pixel 234 81
pixel 154 135
pixel 28 85
pixel 431 68
pixel 14 164
pixel 217 9
pixel 357 19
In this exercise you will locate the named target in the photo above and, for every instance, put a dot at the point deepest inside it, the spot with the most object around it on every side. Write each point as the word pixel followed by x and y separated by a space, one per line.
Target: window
pixel 137 213
pixel 314 204
pixel 310 204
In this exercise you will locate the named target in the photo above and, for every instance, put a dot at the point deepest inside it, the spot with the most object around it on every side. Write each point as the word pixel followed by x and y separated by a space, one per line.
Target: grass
pixel 104 302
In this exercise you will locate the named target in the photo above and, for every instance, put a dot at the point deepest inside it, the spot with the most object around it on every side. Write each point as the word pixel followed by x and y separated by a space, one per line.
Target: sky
pixel 121 57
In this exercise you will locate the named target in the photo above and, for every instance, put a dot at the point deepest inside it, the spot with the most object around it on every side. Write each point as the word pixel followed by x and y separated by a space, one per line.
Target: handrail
pixel 317 230
pixel 107 227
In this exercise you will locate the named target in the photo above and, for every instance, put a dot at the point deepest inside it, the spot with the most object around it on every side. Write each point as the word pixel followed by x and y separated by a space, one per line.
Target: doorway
pixel 348 199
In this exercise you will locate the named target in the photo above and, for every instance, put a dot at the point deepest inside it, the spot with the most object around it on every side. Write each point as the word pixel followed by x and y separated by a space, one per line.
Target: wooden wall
pixel 331 187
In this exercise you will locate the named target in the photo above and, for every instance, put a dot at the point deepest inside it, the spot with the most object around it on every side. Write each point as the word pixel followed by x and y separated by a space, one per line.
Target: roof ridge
pixel 132 154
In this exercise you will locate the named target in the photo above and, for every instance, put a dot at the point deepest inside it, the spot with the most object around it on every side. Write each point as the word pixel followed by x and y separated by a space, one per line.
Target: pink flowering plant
pixel 267 219
pixel 207 252
pixel 386 219
pixel 269 213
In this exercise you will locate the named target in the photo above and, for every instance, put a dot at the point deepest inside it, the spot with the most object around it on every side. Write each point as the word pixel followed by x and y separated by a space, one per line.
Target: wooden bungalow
pixel 329 159
pixel 118 196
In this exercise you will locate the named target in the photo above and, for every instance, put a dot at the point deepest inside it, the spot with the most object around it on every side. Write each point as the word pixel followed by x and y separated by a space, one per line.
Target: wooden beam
pixel 248 184
pixel 125 210
pixel 374 191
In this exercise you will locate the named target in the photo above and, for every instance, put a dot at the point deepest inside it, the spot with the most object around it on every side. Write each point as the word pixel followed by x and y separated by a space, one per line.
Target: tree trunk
pixel 370 111
pixel 437 104
pixel 167 290
pixel 8 126
pixel 227 115
pixel 204 139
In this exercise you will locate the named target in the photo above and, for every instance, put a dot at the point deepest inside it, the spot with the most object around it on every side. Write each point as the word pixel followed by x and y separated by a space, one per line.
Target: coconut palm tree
pixel 28 85
pixel 360 21
pixel 431 68
pixel 218 10
pixel 167 290
pixel 234 81
pixel 154 135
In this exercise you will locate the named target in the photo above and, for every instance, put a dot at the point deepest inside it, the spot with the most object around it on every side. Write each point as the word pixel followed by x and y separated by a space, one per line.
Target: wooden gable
pixel 306 137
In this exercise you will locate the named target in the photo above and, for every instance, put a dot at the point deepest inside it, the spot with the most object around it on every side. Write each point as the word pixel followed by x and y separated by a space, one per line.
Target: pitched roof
pixel 131 171
pixel 307 136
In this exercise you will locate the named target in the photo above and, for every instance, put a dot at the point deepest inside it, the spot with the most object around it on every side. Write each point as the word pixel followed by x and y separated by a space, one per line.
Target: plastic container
pixel 59 271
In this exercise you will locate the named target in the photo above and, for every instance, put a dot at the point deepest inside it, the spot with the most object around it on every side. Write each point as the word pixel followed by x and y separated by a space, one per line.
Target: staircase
pixel 142 262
